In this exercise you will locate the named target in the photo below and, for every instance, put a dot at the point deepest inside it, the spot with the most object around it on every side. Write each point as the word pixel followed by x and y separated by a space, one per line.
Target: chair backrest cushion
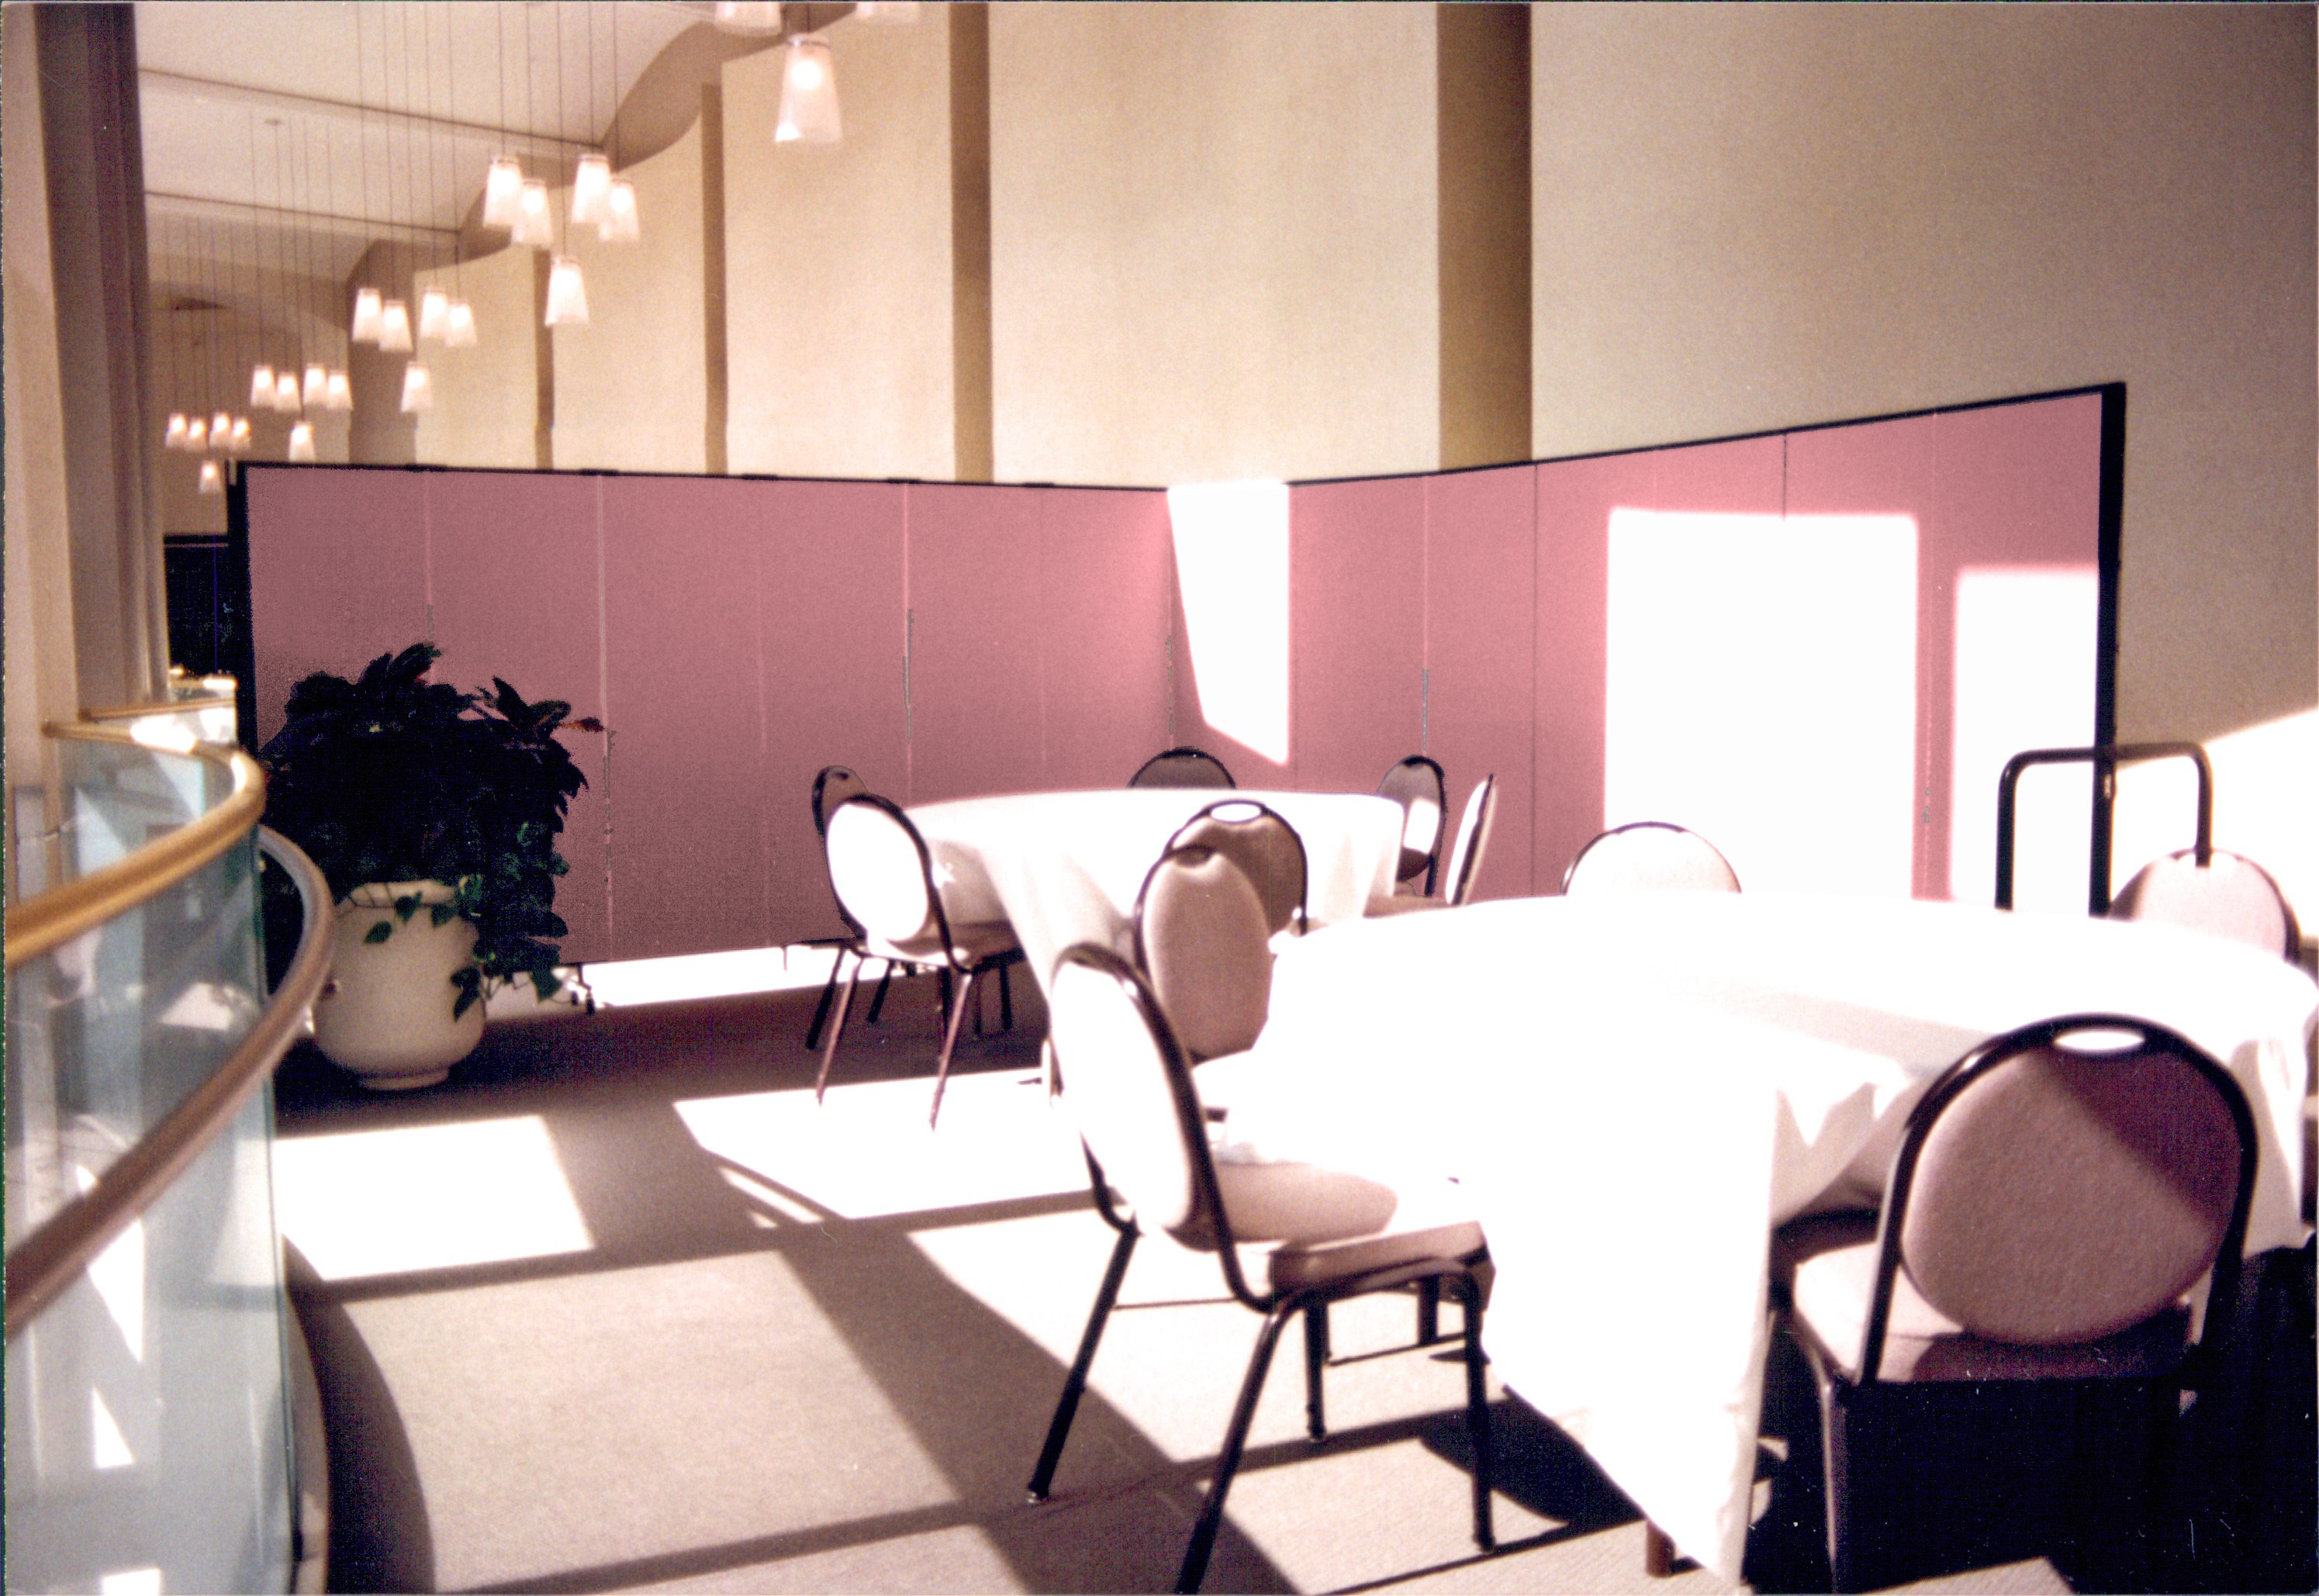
pixel 1182 767
pixel 1649 856
pixel 1415 784
pixel 1264 846
pixel 2067 1192
pixel 1203 940
pixel 1472 841
pixel 1125 1087
pixel 878 866
pixel 832 787
pixel 2231 896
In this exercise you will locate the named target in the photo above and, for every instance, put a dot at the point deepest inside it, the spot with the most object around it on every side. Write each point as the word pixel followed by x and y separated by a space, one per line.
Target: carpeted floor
pixel 620 1307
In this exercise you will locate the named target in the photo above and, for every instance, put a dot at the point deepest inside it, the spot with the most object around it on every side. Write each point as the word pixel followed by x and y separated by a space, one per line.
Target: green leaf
pixel 407 905
pixel 379 931
pixel 446 913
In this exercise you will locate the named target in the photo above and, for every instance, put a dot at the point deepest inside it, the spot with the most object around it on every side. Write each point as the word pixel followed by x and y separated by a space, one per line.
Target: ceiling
pixel 282 140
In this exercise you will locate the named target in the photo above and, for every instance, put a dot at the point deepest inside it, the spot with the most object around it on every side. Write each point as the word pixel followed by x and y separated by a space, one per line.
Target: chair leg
pixel 836 1030
pixel 1429 1312
pixel 950 1043
pixel 1316 1358
pixel 1067 1406
pixel 877 999
pixel 828 994
pixel 1658 1551
pixel 1005 998
pixel 1212 1511
pixel 1477 1415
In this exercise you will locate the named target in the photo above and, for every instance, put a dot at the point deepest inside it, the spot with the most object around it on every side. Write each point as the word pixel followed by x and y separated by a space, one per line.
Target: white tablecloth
pixel 1066 866
pixel 1635 1090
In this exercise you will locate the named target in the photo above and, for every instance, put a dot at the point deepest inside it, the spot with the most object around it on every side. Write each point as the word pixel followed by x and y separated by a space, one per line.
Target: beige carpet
pixel 620 1307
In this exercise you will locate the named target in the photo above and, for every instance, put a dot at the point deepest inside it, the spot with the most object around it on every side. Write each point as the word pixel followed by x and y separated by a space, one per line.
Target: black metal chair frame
pixel 2222 1295
pixel 1456 892
pixel 1571 869
pixel 1441 815
pixel 1299 921
pixel 848 946
pixel 1183 754
pixel 1455 1275
pixel 946 967
pixel 2104 758
pixel 2293 947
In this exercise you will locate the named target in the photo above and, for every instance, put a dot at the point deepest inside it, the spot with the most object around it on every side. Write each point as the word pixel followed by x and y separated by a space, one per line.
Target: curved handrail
pixel 52 1257
pixel 52 918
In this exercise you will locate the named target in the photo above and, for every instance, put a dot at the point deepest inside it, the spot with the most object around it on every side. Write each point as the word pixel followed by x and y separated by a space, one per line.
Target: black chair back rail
pixel 2104 757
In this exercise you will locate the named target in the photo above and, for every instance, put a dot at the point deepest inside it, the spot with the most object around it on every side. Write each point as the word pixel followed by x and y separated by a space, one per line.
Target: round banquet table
pixel 1635 1090
pixel 1065 867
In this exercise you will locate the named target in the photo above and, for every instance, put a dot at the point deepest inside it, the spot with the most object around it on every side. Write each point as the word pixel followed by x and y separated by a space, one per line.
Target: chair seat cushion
pixel 973 944
pixel 1828 1266
pixel 1223 1080
pixel 1330 1224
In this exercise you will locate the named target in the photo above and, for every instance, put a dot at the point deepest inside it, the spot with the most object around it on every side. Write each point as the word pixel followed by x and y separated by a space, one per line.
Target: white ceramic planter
pixel 386 1014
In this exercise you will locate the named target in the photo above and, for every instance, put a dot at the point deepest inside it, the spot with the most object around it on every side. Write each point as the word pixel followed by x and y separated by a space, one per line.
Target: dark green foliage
pixel 394 777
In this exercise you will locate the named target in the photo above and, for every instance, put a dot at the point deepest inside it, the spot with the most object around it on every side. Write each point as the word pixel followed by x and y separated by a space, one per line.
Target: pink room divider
pixel 737 633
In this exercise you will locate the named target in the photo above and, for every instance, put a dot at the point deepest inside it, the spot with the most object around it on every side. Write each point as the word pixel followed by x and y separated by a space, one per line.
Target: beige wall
pixel 838 264
pixel 1751 217
pixel 1213 241
pixel 629 392
pixel 486 411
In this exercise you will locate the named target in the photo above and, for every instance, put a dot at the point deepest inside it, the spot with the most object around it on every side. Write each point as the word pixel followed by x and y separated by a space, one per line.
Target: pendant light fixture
pixel 433 310
pixel 535 223
pixel 886 11
pixel 567 294
pixel 459 325
pixel 620 224
pixel 211 481
pixel 748 16
pixel 285 378
pixel 503 183
pixel 237 440
pixel 458 316
pixel 417 389
pixel 592 182
pixel 174 437
pixel 808 112
pixel 369 316
pixel 301 443
pixel 417 385
pixel 337 393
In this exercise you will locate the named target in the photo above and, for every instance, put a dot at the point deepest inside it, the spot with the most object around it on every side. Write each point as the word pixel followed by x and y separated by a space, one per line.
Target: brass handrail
pixel 52 918
pixel 53 1256
pixel 166 706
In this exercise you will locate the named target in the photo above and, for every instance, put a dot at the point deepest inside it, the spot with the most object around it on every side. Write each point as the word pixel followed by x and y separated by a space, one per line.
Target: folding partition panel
pixel 828 634
pixel 973 570
pixel 514 559
pixel 337 575
pixel 1575 499
pixel 1480 628
pixel 687 764
pixel 1104 585
pixel 1356 630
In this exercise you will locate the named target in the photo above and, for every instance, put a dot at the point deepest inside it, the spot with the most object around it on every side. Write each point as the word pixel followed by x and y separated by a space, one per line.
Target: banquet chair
pixel 1415 783
pixel 1648 856
pixel 832 786
pixel 1203 942
pixel 884 878
pixel 1182 767
pixel 1264 846
pixel 2231 896
pixel 1466 854
pixel 2056 1194
pixel 1326 1234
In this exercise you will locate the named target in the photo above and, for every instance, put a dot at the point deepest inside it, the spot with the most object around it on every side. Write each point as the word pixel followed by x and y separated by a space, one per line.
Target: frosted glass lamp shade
pixel 417 389
pixel 301 443
pixel 197 436
pixel 212 479
pixel 220 428
pixel 236 441
pixel 591 180
pixel 175 437
pixel 286 392
pixel 503 189
pixel 808 94
pixel 619 224
pixel 459 325
pixel 338 393
pixel 312 388
pixel 886 11
pixel 261 387
pixel 394 328
pixel 533 223
pixel 567 294
pixel 748 16
pixel 365 327
pixel 433 310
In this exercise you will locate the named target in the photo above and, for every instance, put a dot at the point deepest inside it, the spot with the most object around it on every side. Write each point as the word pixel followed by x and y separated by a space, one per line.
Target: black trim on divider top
pixel 2104 758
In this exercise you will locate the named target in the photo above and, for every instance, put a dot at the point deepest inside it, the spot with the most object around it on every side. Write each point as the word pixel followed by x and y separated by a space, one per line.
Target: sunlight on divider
pixel 1232 563
pixel 363 1202
pixel 1761 689
pixel 2024 679
pixel 2266 796
pixel 866 1150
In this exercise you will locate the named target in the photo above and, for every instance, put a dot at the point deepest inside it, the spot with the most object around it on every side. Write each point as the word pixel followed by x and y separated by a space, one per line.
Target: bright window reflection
pixel 2024 679
pixel 1761 690
pixel 420 1197
pixel 1232 563
pixel 2266 792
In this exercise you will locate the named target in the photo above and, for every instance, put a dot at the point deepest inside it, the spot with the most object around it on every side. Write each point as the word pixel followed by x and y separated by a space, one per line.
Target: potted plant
pixel 433 814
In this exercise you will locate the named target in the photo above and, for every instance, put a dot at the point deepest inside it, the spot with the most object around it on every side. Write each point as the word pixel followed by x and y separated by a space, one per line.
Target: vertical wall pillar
pixel 970 233
pixel 95 188
pixel 1483 62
